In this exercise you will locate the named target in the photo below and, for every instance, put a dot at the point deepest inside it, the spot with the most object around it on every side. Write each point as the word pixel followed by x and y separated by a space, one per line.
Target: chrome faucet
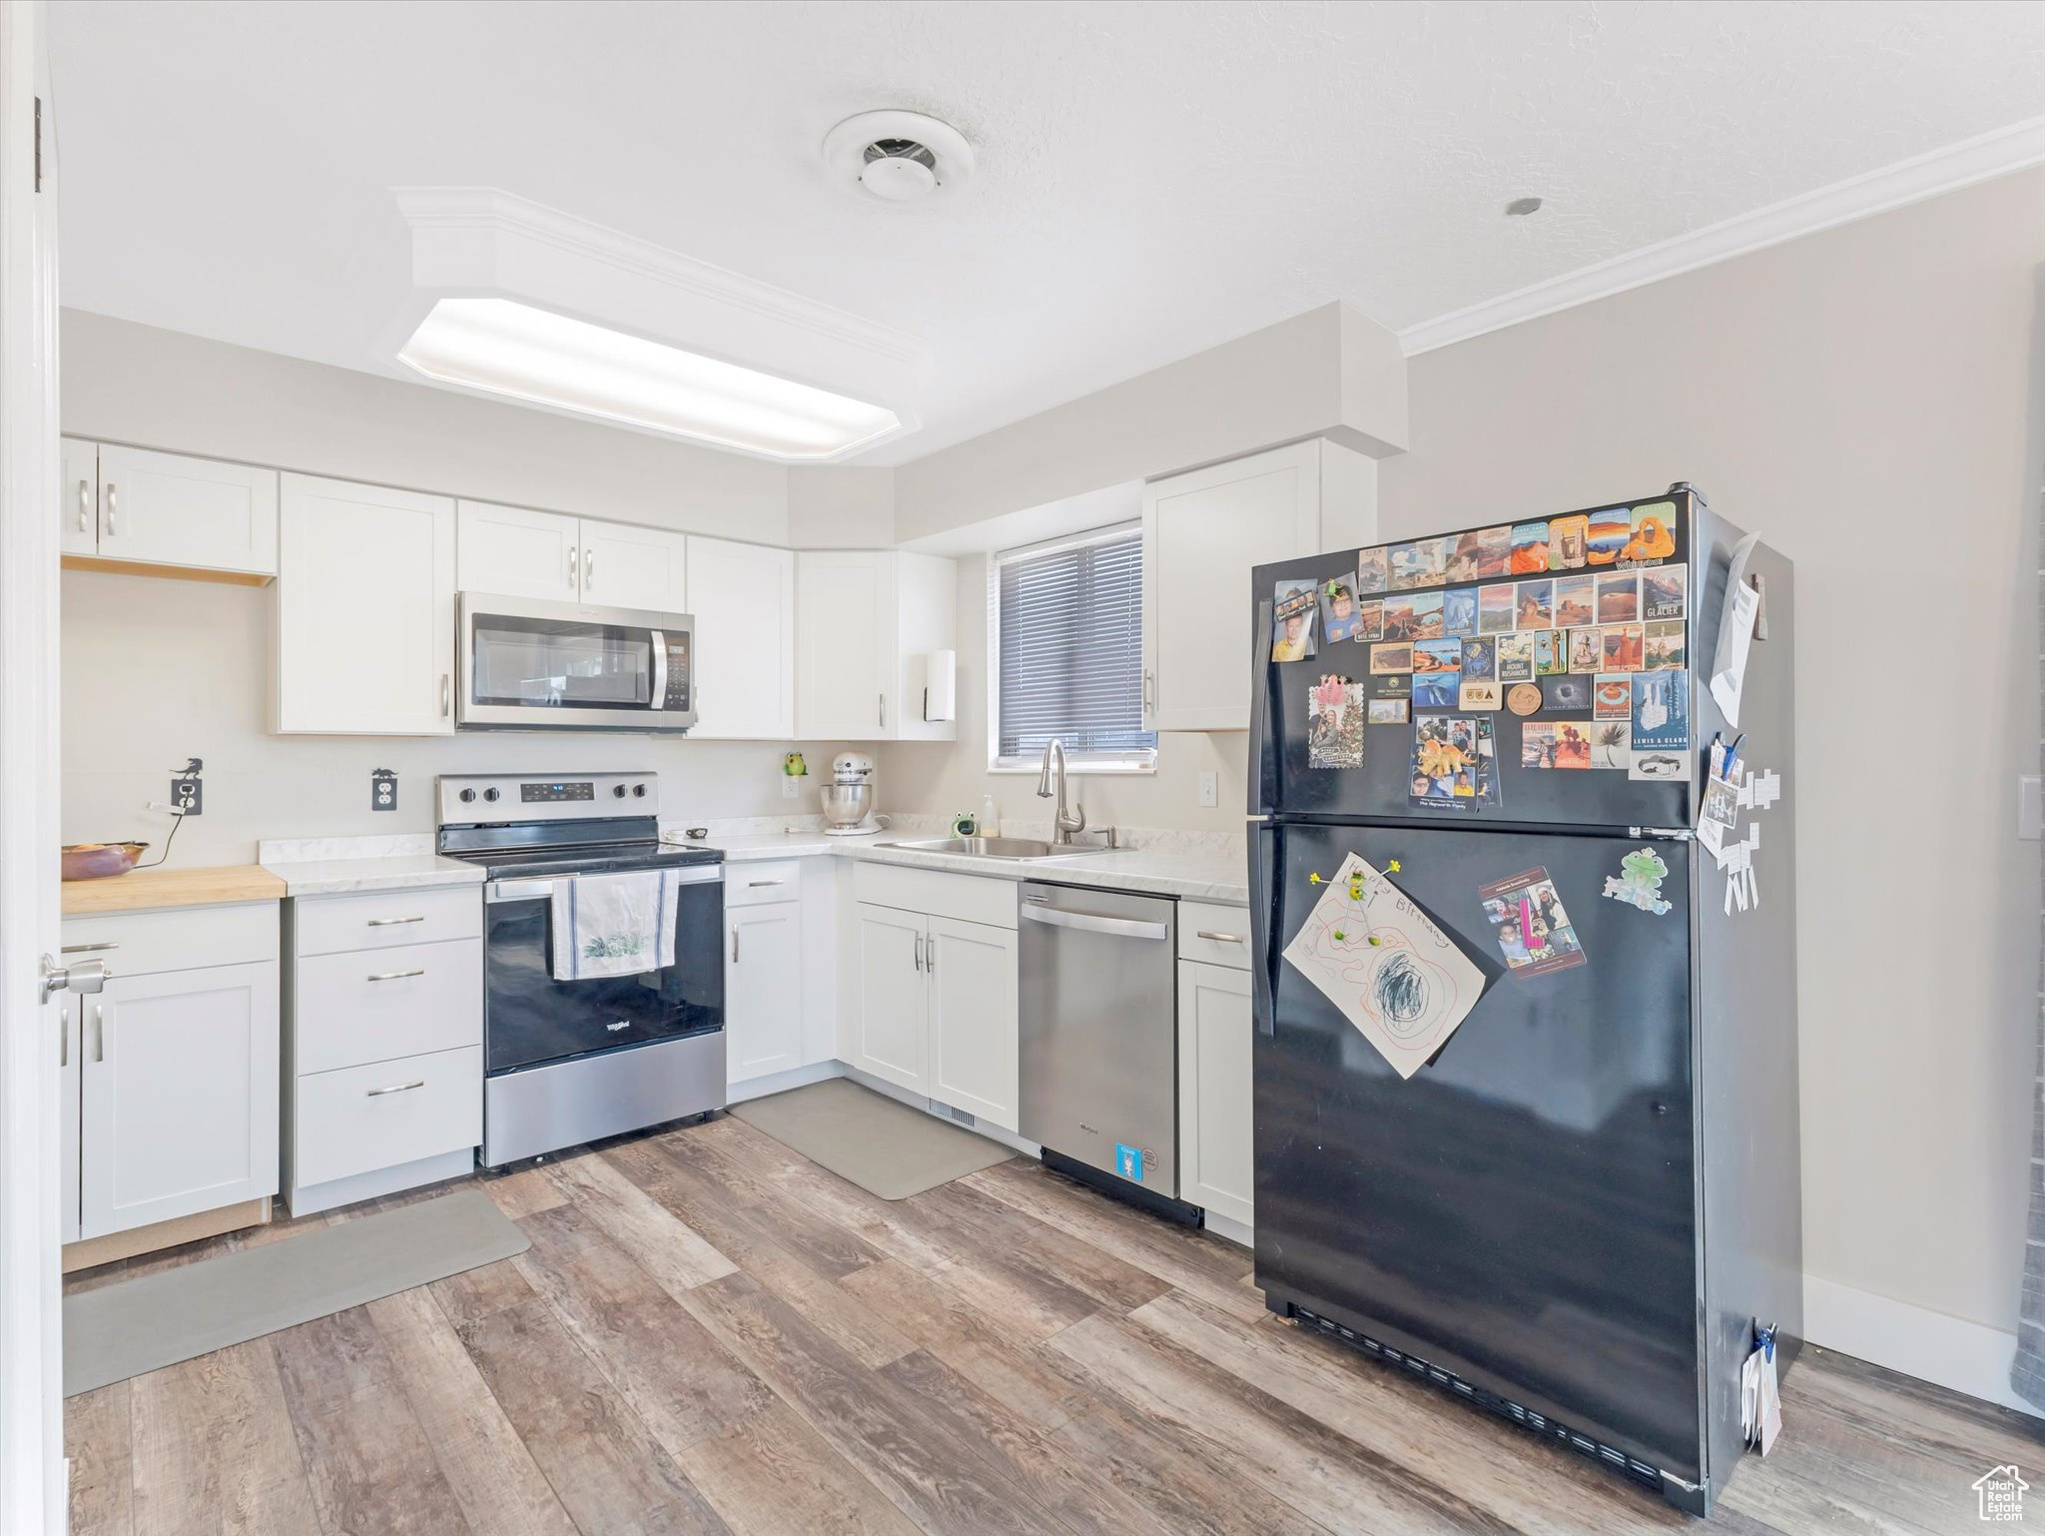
pixel 1050 782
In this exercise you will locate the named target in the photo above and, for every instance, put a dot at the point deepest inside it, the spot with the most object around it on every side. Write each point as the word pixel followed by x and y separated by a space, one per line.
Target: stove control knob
pixel 489 794
pixel 467 796
pixel 618 790
pixel 639 790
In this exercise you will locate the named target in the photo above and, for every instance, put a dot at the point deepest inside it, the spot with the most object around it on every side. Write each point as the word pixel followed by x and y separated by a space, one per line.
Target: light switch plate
pixel 1209 789
pixel 788 783
pixel 2027 806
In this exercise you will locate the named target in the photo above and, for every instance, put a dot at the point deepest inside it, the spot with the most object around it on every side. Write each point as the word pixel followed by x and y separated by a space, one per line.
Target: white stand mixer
pixel 848 798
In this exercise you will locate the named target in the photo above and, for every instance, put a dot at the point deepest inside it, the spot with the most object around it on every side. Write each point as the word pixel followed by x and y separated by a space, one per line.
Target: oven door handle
pixel 541 890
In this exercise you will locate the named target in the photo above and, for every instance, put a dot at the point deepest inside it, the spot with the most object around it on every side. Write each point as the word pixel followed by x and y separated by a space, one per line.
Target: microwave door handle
pixel 659 698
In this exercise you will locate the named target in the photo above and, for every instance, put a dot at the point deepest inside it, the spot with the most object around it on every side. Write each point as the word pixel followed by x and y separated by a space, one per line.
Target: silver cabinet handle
pixel 919 951
pixel 930 955
pixel 113 510
pixel 750 885
pixel 99 1032
pixel 1094 922
pixel 571 567
pixel 883 711
pixel 445 696
pixel 1149 693
pixel 84 505
pixel 1219 938
pixel 64 1039
pixel 377 1093
pixel 588 568
pixel 734 943
pixel 396 975
pixel 386 922
pixel 89 949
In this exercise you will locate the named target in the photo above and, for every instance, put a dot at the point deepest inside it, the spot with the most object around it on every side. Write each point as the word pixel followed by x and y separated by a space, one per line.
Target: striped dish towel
pixel 614 925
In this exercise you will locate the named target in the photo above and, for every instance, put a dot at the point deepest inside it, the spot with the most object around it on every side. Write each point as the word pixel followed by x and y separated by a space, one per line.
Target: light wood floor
pixel 711 1333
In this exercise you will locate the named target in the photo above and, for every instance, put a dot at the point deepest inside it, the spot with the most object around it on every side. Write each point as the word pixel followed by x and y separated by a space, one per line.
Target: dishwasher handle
pixel 1094 922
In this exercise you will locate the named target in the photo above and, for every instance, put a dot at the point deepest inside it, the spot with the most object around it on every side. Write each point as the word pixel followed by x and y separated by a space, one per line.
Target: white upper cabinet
pixel 1202 533
pixel 742 597
pixel 78 498
pixel 516 552
pixel 513 552
pixel 864 624
pixel 365 610
pixel 167 509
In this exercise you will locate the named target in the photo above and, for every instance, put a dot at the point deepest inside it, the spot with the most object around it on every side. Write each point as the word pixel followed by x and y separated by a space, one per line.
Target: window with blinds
pixel 1066 622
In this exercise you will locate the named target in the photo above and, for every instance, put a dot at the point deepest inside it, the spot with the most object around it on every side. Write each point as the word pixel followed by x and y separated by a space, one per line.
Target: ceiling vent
pixel 899 157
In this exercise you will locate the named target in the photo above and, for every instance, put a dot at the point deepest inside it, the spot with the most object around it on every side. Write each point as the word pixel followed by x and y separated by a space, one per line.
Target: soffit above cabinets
pixel 515 299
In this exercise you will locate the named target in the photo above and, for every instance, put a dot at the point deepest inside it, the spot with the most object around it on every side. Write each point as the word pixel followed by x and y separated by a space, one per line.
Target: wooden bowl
pixel 93 861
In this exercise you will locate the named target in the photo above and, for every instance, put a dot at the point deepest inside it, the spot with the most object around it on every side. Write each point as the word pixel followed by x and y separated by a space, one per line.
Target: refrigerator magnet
pixel 1607 535
pixel 1529 548
pixel 1639 882
pixel 1496 608
pixel 1551 652
pixel 1534 605
pixel 1340 615
pixel 1612 697
pixel 1477 693
pixel 1569 694
pixel 1528 920
pixel 1459 611
pixel 1370 619
pixel 1566 542
pixel 1618 597
pixel 1576 601
pixel 1389 711
pixel 1455 761
pixel 1665 647
pixel 1335 724
pixel 1661 712
pixel 1555 744
pixel 1385 659
pixel 1391 685
pixel 1652 533
pixel 1494 552
pixel 1372 569
pixel 1664 592
pixel 1292 622
pixel 1523 699
pixel 1611 744
pixel 1516 656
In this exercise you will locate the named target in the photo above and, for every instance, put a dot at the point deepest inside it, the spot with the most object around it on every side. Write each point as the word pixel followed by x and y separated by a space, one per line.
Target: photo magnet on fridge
pixel 1608 534
pixel 1529 549
pixel 1372 569
pixel 1370 619
pixel 1516 656
pixel 1494 552
pixel 1495 609
pixel 1466 551
pixel 1587 650
pixel 1388 711
pixel 1661 713
pixel 1390 658
pixel 1555 744
pixel 1292 624
pixel 1665 649
pixel 1459 611
pixel 1576 601
pixel 1618 597
pixel 1455 762
pixel 1403 562
pixel 1536 605
pixel 1664 591
pixel 1566 537
pixel 1335 724
pixel 1569 694
pixel 1433 559
pixel 1340 616
pixel 1399 617
pixel 1527 918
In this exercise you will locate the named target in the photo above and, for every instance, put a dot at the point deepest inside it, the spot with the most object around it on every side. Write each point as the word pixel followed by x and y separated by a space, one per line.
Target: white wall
pixel 943 777
pixel 156 671
pixel 135 384
pixel 1862 398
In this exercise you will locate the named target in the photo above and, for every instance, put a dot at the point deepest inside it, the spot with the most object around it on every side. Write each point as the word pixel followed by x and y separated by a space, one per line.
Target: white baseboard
pixel 1946 1351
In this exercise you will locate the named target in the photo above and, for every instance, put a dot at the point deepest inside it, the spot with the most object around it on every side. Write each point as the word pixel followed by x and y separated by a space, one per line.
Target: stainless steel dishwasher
pixel 1100 1038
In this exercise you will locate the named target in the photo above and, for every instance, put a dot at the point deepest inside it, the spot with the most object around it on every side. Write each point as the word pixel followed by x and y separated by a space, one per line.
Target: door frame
pixel 32 1466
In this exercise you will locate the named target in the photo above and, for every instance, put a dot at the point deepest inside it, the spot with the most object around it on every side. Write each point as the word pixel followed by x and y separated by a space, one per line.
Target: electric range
pixel 569 1061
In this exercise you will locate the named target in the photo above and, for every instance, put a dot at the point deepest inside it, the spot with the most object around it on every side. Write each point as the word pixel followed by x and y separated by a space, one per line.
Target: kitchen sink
pixel 997 847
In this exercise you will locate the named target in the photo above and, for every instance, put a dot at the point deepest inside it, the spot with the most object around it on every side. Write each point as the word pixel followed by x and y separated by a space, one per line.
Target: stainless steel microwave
pixel 531 665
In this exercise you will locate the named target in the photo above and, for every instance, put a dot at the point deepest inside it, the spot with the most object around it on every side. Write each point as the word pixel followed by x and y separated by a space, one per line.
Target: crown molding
pixel 2015 148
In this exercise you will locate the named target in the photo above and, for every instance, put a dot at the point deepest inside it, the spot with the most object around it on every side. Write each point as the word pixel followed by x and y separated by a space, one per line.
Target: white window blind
pixel 1068 635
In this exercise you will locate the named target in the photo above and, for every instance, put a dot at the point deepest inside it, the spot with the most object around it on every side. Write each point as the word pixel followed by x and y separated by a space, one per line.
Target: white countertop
pixel 381 872
pixel 1201 875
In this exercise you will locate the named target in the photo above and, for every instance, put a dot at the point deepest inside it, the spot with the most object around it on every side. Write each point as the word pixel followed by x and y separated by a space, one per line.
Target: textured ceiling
pixel 1154 177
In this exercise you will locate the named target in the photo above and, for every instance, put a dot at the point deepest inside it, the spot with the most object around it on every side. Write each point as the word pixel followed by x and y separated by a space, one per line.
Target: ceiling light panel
pixel 507 348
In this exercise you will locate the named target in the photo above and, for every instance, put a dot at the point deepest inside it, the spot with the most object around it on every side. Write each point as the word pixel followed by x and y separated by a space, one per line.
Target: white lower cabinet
pixel 971 969
pixel 934 1005
pixel 383 1067
pixel 763 990
pixel 170 1073
pixel 1216 1089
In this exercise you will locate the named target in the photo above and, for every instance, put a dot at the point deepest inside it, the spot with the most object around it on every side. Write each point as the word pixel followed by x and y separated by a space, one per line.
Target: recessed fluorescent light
pixel 506 348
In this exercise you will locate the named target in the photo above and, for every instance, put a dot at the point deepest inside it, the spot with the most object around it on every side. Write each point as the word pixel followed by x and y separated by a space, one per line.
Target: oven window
pixel 557 663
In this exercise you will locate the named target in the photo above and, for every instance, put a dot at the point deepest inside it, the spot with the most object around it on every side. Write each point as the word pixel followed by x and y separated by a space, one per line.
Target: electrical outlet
pixel 383 790
pixel 1209 789
pixel 788 784
pixel 186 795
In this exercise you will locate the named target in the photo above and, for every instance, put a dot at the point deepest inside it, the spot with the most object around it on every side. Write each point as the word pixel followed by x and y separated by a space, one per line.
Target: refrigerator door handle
pixel 1261 672
pixel 1263 925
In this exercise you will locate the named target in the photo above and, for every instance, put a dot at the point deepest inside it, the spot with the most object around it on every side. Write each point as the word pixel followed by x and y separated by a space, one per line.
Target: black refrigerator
pixel 1577 1212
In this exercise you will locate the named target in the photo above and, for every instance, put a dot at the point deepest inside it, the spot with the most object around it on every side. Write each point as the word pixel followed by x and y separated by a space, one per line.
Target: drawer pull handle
pixel 377 1093
pixel 88 949
pixel 396 975
pixel 387 922
pixel 1219 938
pixel 756 884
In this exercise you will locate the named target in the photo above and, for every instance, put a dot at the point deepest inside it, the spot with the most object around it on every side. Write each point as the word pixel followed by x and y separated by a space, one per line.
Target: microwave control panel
pixel 677 672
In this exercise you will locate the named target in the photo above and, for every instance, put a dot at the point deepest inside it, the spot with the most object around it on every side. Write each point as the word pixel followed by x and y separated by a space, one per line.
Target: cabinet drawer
pixel 175 939
pixel 969 898
pixel 325 925
pixel 393 1112
pixel 753 885
pixel 1217 935
pixel 363 1007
